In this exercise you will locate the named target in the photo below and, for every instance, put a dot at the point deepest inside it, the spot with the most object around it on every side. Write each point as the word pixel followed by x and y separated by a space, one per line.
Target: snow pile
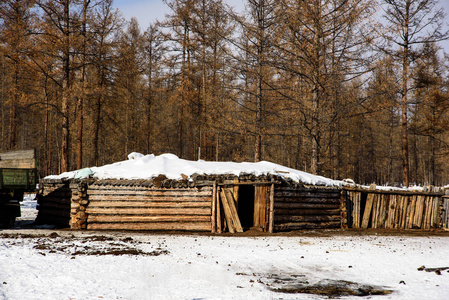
pixel 139 166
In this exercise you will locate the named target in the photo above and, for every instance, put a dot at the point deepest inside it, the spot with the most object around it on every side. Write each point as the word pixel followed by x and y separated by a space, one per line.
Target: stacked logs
pixel 78 216
pixel 307 208
pixel 133 206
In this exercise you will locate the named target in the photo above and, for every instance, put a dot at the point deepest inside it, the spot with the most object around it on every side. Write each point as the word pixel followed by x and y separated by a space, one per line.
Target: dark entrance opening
pixel 245 208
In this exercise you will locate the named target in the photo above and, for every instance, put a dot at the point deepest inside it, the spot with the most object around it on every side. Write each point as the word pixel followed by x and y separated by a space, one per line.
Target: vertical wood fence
pixel 395 209
pixel 445 214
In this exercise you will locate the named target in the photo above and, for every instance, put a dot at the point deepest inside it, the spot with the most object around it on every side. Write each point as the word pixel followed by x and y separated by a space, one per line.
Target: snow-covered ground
pixel 28 208
pixel 64 264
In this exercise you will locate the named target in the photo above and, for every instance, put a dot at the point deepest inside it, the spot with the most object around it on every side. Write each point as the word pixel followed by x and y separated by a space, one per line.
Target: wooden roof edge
pixel 196 180
pixel 392 192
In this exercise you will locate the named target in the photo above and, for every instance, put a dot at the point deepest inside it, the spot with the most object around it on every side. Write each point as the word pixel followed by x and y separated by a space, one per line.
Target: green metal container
pixel 18 179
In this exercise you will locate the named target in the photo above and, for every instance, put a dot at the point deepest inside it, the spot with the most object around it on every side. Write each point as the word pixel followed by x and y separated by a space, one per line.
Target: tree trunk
pixel 80 112
pixel 260 80
pixel 404 103
pixel 97 128
pixel 65 92
pixel 314 163
pixel 316 93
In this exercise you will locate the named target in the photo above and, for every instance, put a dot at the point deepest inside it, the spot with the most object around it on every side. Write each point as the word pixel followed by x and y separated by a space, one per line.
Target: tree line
pixel 341 88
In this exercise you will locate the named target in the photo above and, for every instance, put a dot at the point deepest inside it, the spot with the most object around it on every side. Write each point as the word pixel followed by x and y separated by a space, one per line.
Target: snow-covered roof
pixel 139 166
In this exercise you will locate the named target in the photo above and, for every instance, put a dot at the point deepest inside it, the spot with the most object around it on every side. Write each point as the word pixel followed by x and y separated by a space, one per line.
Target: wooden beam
pixel 368 208
pixel 147 204
pixel 233 209
pixel 394 192
pixel 214 209
pixel 137 218
pixel 271 210
pixel 219 216
pixel 227 212
pixel 150 211
pixel 197 226
pixel 152 198
pixel 300 205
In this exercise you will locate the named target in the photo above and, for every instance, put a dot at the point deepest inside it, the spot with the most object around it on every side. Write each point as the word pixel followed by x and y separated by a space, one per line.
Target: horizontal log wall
pixel 148 208
pixel 390 210
pixel 54 200
pixel 306 208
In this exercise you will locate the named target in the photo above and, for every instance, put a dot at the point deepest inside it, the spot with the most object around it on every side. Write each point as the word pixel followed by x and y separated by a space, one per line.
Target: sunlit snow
pixel 139 166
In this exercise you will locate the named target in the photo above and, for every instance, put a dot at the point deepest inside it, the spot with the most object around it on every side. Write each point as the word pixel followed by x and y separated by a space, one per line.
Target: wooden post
pixel 214 209
pixel 219 217
pixel 390 212
pixel 368 207
pixel 230 211
pixel 404 211
pixel 417 218
pixel 374 211
pixel 356 196
pixel 412 211
pixel 236 192
pixel 234 215
pixel 383 214
pixel 445 215
pixel 343 210
pixel 271 215
pixel 227 211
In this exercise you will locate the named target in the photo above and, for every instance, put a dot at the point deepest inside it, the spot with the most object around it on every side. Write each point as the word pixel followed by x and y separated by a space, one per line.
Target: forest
pixel 341 88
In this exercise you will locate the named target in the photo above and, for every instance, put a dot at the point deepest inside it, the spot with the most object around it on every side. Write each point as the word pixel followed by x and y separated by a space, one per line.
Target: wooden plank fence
pixel 445 213
pixel 394 209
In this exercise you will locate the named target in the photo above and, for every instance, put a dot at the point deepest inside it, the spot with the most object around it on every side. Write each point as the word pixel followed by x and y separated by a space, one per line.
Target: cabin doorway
pixel 245 206
pixel 242 207
pixel 252 206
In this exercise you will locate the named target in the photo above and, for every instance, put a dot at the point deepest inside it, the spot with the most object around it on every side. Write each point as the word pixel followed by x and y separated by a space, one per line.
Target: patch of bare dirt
pixel 296 284
pixel 98 245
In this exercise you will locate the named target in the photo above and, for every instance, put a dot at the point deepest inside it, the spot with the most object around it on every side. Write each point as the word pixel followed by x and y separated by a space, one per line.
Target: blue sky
pixel 147 11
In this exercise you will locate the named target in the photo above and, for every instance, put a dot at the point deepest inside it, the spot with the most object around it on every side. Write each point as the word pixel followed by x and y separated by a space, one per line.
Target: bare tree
pixel 16 17
pixel 409 23
pixel 323 48
pixel 153 48
pixel 254 45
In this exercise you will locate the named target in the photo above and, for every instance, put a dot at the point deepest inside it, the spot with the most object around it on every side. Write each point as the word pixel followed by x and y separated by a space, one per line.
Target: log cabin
pixel 170 194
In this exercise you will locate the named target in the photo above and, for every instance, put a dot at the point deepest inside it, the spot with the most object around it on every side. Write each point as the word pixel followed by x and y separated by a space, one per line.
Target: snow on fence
pixel 395 209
